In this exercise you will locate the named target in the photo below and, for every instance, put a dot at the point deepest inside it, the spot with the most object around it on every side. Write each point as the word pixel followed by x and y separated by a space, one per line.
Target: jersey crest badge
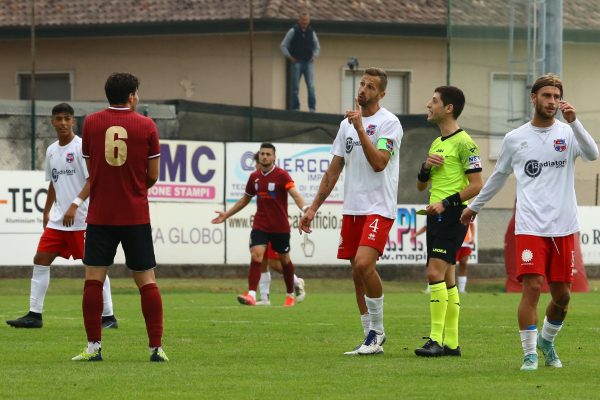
pixel 371 129
pixel 560 145
pixel 70 157
pixel 271 186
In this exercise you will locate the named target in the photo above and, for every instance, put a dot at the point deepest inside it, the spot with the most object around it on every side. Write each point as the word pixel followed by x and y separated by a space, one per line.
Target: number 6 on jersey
pixel 115 147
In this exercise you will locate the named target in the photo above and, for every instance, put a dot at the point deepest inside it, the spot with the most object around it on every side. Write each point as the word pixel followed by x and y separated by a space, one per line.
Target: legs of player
pixel 257 254
pixel 288 277
pixel 153 312
pixel 553 322
pixel 108 317
pixel 92 313
pixel 40 280
pixel 462 274
pixel 368 283
pixel 299 291
pixel 527 316
pixel 451 347
pixel 265 282
pixel 436 274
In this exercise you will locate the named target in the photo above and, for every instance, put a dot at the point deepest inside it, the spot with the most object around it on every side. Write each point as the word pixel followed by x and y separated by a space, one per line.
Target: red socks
pixel 288 277
pixel 153 313
pixel 254 275
pixel 92 309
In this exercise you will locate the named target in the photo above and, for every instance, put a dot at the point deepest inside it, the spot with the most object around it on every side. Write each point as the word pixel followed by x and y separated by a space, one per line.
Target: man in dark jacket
pixel 301 46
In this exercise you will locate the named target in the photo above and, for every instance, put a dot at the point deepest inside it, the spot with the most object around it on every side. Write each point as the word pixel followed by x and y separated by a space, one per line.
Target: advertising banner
pixel 22 199
pixel 190 172
pixel 320 247
pixel 306 164
pixel 589 222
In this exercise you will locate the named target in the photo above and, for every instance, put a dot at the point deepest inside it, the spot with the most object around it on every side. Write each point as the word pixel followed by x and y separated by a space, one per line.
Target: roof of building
pixel 16 14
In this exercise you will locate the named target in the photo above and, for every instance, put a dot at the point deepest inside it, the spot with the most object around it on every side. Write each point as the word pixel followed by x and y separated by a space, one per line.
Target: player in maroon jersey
pixel 271 185
pixel 122 153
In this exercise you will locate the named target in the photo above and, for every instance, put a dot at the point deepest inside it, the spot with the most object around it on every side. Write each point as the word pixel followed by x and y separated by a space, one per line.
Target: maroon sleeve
pixel 85 146
pixel 154 146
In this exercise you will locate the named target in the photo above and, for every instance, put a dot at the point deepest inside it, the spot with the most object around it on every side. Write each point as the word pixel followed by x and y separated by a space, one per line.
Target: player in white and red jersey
pixel 368 145
pixel 271 186
pixel 64 217
pixel 542 156
pixel 122 152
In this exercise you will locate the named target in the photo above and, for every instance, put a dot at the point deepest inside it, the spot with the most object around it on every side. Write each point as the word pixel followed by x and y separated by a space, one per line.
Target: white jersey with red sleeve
pixel 367 192
pixel 66 169
pixel 543 161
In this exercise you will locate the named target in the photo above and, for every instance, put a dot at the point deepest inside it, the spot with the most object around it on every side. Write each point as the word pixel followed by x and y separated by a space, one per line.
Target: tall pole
pixel 251 108
pixel 449 42
pixel 554 32
pixel 33 152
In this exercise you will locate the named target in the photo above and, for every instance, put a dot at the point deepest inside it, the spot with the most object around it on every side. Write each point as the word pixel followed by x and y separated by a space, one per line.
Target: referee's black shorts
pixel 445 234
pixel 101 242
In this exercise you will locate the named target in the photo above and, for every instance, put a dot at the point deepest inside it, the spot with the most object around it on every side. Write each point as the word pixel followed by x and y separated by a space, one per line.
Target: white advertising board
pixel 320 247
pixel 190 172
pixel 589 238
pixel 306 164
pixel 182 233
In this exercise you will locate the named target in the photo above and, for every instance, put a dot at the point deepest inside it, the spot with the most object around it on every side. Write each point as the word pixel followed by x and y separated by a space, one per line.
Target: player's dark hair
pixel 378 72
pixel 256 157
pixel 267 145
pixel 119 86
pixel 62 108
pixel 547 80
pixel 452 95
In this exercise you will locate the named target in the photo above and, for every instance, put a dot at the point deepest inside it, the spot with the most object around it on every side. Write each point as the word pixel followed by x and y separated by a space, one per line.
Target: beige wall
pixel 474 61
pixel 215 69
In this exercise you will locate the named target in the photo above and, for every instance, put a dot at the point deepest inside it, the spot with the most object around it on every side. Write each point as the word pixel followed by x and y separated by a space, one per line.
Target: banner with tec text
pixel 306 164
pixel 190 172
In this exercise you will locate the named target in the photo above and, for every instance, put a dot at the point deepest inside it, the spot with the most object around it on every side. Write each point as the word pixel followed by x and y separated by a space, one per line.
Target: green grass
pixel 221 350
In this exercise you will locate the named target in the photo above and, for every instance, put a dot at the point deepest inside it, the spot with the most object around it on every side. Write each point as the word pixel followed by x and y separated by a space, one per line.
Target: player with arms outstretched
pixel 271 186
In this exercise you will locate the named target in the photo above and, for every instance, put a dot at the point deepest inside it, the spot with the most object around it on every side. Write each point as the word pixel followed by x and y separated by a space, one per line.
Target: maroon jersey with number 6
pixel 118 143
pixel 271 190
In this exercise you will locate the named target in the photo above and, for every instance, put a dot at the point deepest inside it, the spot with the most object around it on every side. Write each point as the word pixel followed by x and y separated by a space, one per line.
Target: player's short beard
pixel 541 112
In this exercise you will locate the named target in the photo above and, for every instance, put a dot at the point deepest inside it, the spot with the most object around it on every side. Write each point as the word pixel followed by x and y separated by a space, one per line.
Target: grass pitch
pixel 222 350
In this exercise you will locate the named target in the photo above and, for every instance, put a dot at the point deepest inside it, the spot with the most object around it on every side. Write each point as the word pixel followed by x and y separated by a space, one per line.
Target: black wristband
pixel 424 174
pixel 452 201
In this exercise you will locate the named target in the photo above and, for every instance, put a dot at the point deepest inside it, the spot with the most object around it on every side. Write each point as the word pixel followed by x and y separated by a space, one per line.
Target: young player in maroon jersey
pixel 121 150
pixel 271 185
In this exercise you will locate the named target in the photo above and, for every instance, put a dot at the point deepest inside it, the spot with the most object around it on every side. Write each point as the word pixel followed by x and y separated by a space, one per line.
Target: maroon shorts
pixel 552 257
pixel 65 243
pixel 363 230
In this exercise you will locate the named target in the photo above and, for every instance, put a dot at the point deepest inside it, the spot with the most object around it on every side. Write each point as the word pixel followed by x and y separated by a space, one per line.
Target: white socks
pixel 375 307
pixel 265 285
pixel 252 293
pixel 365 320
pixel 528 341
pixel 462 283
pixel 549 331
pixel 296 280
pixel 93 346
pixel 40 279
pixel 107 296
